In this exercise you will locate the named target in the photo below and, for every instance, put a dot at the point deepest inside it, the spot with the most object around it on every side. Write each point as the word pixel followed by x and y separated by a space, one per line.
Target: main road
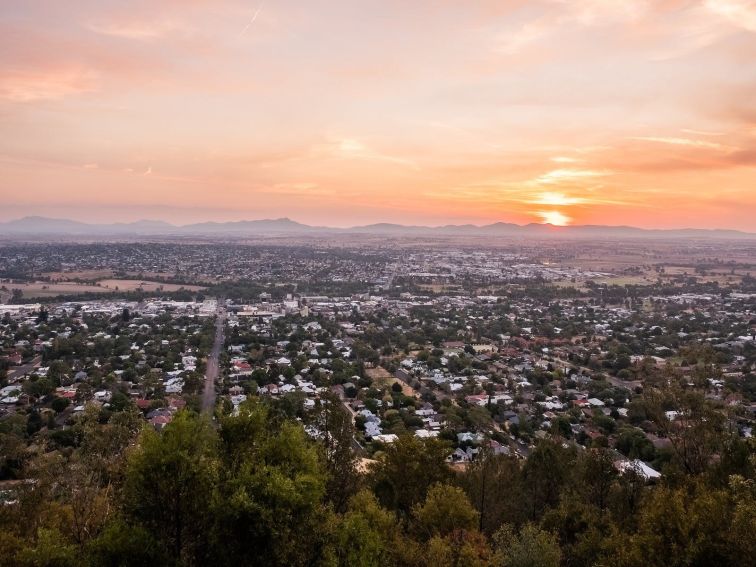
pixel 213 361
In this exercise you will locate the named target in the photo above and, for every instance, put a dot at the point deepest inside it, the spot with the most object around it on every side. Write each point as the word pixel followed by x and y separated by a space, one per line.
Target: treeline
pixel 255 489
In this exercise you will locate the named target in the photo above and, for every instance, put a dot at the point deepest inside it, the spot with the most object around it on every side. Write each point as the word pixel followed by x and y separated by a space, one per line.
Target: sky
pixel 343 113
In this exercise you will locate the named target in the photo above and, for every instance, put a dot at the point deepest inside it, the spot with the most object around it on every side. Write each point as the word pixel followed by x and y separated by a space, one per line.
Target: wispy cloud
pixel 683 142
pixel 147 30
pixel 557 176
pixel 701 132
pixel 46 84
pixel 740 13
pixel 351 148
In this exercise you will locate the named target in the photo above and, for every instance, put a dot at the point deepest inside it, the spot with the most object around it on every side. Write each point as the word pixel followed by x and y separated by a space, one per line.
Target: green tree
pixel 365 534
pixel 492 483
pixel 169 482
pixel 446 509
pixel 269 504
pixel 531 547
pixel 335 425
pixel 407 469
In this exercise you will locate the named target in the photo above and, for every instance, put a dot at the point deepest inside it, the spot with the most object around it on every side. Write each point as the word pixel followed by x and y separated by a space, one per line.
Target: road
pixel 613 380
pixel 213 361
pixel 394 271
pixel 18 371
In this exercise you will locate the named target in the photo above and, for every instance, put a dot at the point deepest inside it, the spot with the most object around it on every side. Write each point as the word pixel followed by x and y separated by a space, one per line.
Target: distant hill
pixel 254 226
pixel 43 226
pixel 49 226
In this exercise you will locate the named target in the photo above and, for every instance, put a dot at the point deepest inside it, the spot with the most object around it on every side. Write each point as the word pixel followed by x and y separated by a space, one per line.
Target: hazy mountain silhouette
pixel 42 226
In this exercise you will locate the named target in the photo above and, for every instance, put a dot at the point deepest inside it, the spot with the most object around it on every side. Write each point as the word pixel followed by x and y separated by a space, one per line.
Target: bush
pixel 59 404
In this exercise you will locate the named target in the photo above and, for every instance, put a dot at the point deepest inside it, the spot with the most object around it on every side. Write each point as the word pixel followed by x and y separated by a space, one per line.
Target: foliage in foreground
pixel 256 490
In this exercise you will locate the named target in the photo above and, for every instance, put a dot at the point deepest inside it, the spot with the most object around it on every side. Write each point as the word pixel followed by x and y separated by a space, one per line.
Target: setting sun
pixel 554 217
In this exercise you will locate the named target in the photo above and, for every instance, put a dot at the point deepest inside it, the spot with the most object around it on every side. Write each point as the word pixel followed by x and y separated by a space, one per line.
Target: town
pixel 484 350
pixel 490 348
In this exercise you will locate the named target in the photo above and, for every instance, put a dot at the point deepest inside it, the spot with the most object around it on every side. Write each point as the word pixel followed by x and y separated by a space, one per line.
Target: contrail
pixel 252 21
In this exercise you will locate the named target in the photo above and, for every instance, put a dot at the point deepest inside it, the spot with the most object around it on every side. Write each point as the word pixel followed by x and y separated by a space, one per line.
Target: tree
pixel 596 473
pixel 59 404
pixel 445 510
pixel 169 481
pixel 634 444
pixel 531 547
pixel 268 505
pixel 50 550
pixel 696 433
pixel 335 423
pixel 492 483
pixel 407 469
pixel 365 534
pixel 544 474
pixel 684 526
pixel 124 545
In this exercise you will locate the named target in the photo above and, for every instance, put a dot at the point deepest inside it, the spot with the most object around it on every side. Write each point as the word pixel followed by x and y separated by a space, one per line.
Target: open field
pixel 45 289
pixel 133 285
pixel 88 275
pixel 382 377
pixel 33 290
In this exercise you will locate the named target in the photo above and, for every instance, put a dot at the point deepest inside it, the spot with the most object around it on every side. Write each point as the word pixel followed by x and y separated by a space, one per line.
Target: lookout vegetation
pixel 256 489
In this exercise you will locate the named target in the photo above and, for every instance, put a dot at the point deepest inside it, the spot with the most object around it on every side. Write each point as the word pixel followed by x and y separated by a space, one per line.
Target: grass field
pixel 43 289
pixel 382 377
pixel 89 275
pixel 33 290
pixel 133 285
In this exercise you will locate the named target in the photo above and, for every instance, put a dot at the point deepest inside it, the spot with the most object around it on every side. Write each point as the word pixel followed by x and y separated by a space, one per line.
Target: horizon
pixel 347 227
pixel 585 112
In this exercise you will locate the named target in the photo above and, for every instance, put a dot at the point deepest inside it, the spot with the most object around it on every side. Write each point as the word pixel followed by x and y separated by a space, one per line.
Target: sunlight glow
pixel 554 217
pixel 558 199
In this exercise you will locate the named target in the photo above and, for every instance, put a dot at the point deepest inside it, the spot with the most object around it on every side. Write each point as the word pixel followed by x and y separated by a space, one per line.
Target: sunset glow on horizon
pixel 338 113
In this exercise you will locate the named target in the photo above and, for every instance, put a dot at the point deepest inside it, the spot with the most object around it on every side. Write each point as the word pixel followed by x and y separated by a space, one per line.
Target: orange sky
pixel 349 112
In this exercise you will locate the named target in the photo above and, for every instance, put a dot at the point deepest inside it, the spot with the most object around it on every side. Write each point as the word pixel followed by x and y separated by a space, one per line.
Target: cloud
pixel 46 84
pixel 701 132
pixel 351 148
pixel 513 41
pixel 739 13
pixel 560 199
pixel 683 142
pixel 135 30
pixel 558 176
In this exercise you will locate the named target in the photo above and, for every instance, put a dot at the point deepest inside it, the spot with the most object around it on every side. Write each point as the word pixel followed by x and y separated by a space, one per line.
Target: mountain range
pixel 44 226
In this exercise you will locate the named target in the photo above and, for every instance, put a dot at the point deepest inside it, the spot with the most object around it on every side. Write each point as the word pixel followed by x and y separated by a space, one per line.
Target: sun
pixel 554 218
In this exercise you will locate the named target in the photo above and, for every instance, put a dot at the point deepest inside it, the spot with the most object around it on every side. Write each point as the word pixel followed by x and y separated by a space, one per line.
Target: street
pixel 213 361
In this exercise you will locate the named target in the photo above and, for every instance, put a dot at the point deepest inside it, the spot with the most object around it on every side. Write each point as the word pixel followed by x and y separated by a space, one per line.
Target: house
pixel 387 438
pixel 639 467
pixel 270 389
pixel 426 434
